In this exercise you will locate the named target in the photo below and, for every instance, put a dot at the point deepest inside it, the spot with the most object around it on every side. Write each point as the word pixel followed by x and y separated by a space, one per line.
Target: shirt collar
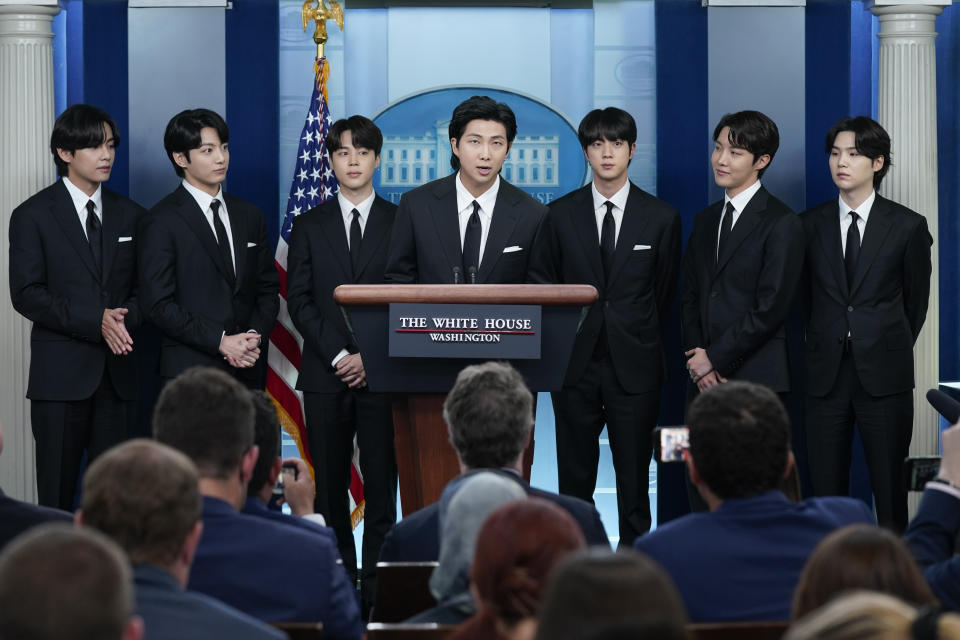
pixel 203 198
pixel 742 199
pixel 863 210
pixel 347 207
pixel 619 199
pixel 487 199
pixel 80 199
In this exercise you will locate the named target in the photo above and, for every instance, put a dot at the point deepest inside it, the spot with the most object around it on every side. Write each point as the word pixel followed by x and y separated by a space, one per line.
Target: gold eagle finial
pixel 319 11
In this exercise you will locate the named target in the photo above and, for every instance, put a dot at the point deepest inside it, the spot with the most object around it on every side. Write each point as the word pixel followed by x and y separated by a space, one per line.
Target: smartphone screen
pixel 919 471
pixel 669 443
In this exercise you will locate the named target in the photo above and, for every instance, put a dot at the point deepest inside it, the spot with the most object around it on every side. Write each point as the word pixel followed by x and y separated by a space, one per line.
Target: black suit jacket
pixel 416 538
pixel 184 285
pixel 885 308
pixel 635 301
pixel 425 244
pixel 318 261
pixel 735 307
pixel 55 283
pixel 16 517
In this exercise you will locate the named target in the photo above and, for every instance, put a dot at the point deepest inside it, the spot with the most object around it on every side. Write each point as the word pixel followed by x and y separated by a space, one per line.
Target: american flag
pixel 313 184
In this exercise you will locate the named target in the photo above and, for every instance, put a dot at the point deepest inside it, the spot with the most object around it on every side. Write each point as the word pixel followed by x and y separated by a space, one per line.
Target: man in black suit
pixel 489 413
pixel 472 226
pixel 344 241
pixel 742 265
pixel 207 276
pixel 73 274
pixel 868 268
pixel 626 243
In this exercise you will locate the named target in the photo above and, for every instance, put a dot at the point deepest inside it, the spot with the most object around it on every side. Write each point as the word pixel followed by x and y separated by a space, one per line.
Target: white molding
pixel 753 3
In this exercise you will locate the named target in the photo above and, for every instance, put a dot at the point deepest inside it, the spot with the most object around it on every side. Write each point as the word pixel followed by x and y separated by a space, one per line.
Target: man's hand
pixel 712 379
pixel 698 363
pixel 240 350
pixel 950 463
pixel 298 492
pixel 115 333
pixel 350 370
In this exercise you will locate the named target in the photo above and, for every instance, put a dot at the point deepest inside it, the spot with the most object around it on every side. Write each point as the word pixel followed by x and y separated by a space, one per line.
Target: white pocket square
pixel 640 247
pixel 513 248
pixel 251 244
pixel 124 238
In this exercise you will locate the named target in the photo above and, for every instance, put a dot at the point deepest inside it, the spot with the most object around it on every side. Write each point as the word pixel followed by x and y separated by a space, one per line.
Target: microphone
pixel 944 405
pixel 472 274
pixel 457 275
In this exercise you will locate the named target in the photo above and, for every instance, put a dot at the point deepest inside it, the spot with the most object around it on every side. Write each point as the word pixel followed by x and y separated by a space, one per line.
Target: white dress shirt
pixel 619 200
pixel 203 201
pixel 740 202
pixel 80 200
pixel 863 212
pixel 486 200
pixel 346 210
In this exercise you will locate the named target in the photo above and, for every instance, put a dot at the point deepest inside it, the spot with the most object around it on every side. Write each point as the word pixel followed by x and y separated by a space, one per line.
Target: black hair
pixel 753 131
pixel 80 126
pixel 480 108
pixel 365 134
pixel 607 124
pixel 870 139
pixel 266 428
pixel 183 133
pixel 739 439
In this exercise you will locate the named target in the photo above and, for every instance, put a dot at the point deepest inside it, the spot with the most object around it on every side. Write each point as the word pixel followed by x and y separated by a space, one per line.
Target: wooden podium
pixel 426 460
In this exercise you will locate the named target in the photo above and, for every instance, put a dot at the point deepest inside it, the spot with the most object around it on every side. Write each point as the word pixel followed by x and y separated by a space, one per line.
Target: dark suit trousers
pixel 332 420
pixel 886 426
pixel 63 430
pixel 581 410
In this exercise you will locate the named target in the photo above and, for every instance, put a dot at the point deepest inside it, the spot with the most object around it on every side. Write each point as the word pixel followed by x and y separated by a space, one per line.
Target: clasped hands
pixel 241 350
pixel 701 369
pixel 114 331
pixel 350 370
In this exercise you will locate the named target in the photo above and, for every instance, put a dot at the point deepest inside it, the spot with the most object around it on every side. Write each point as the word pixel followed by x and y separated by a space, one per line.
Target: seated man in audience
pixel 271 571
pixel 298 487
pixel 16 516
pixel 489 413
pixel 932 534
pixel 741 560
pixel 58 582
pixel 144 495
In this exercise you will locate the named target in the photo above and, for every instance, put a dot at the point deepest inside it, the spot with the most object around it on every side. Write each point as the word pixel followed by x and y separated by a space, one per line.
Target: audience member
pixel 867 615
pixel 16 516
pixel 144 496
pixel 62 583
pixel 517 549
pixel 595 593
pixel 855 558
pixel 273 572
pixel 742 559
pixel 932 534
pixel 463 510
pixel 489 413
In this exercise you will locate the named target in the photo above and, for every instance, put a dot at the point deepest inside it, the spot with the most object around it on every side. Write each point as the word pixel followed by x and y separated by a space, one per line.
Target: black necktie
pixel 94 236
pixel 471 243
pixel 356 237
pixel 725 225
pixel 222 239
pixel 608 239
pixel 853 248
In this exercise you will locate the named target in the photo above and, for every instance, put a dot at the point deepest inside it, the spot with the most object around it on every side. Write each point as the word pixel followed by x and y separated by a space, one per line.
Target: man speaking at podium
pixel 469 227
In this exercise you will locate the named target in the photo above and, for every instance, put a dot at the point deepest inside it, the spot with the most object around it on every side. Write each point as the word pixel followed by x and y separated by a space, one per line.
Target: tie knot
pixel 92 219
pixel 356 214
pixel 854 216
pixel 91 207
pixel 215 206
pixel 476 207
pixel 609 206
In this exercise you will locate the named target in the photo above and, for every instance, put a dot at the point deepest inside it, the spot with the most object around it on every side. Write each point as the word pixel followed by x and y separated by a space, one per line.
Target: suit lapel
pixel 238 230
pixel 111 230
pixel 374 233
pixel 189 210
pixel 65 213
pixel 631 227
pixel 585 226
pixel 878 226
pixel 746 221
pixel 331 223
pixel 828 230
pixel 444 212
pixel 502 222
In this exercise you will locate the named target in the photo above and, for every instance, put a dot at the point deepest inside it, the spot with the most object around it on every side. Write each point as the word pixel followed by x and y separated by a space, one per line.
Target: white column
pixel 907 109
pixel 26 119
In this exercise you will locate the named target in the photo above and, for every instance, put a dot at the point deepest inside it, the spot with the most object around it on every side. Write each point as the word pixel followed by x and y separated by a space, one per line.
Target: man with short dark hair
pixel 489 413
pixel 273 572
pixel 207 277
pixel 144 495
pixel 472 226
pixel 58 582
pixel 742 559
pixel 73 274
pixel 626 243
pixel 868 266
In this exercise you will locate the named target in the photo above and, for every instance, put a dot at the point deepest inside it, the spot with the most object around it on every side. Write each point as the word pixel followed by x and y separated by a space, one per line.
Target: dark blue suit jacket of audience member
pixel 416 538
pixel 742 561
pixel 255 507
pixel 16 517
pixel 273 572
pixel 932 536
pixel 171 613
